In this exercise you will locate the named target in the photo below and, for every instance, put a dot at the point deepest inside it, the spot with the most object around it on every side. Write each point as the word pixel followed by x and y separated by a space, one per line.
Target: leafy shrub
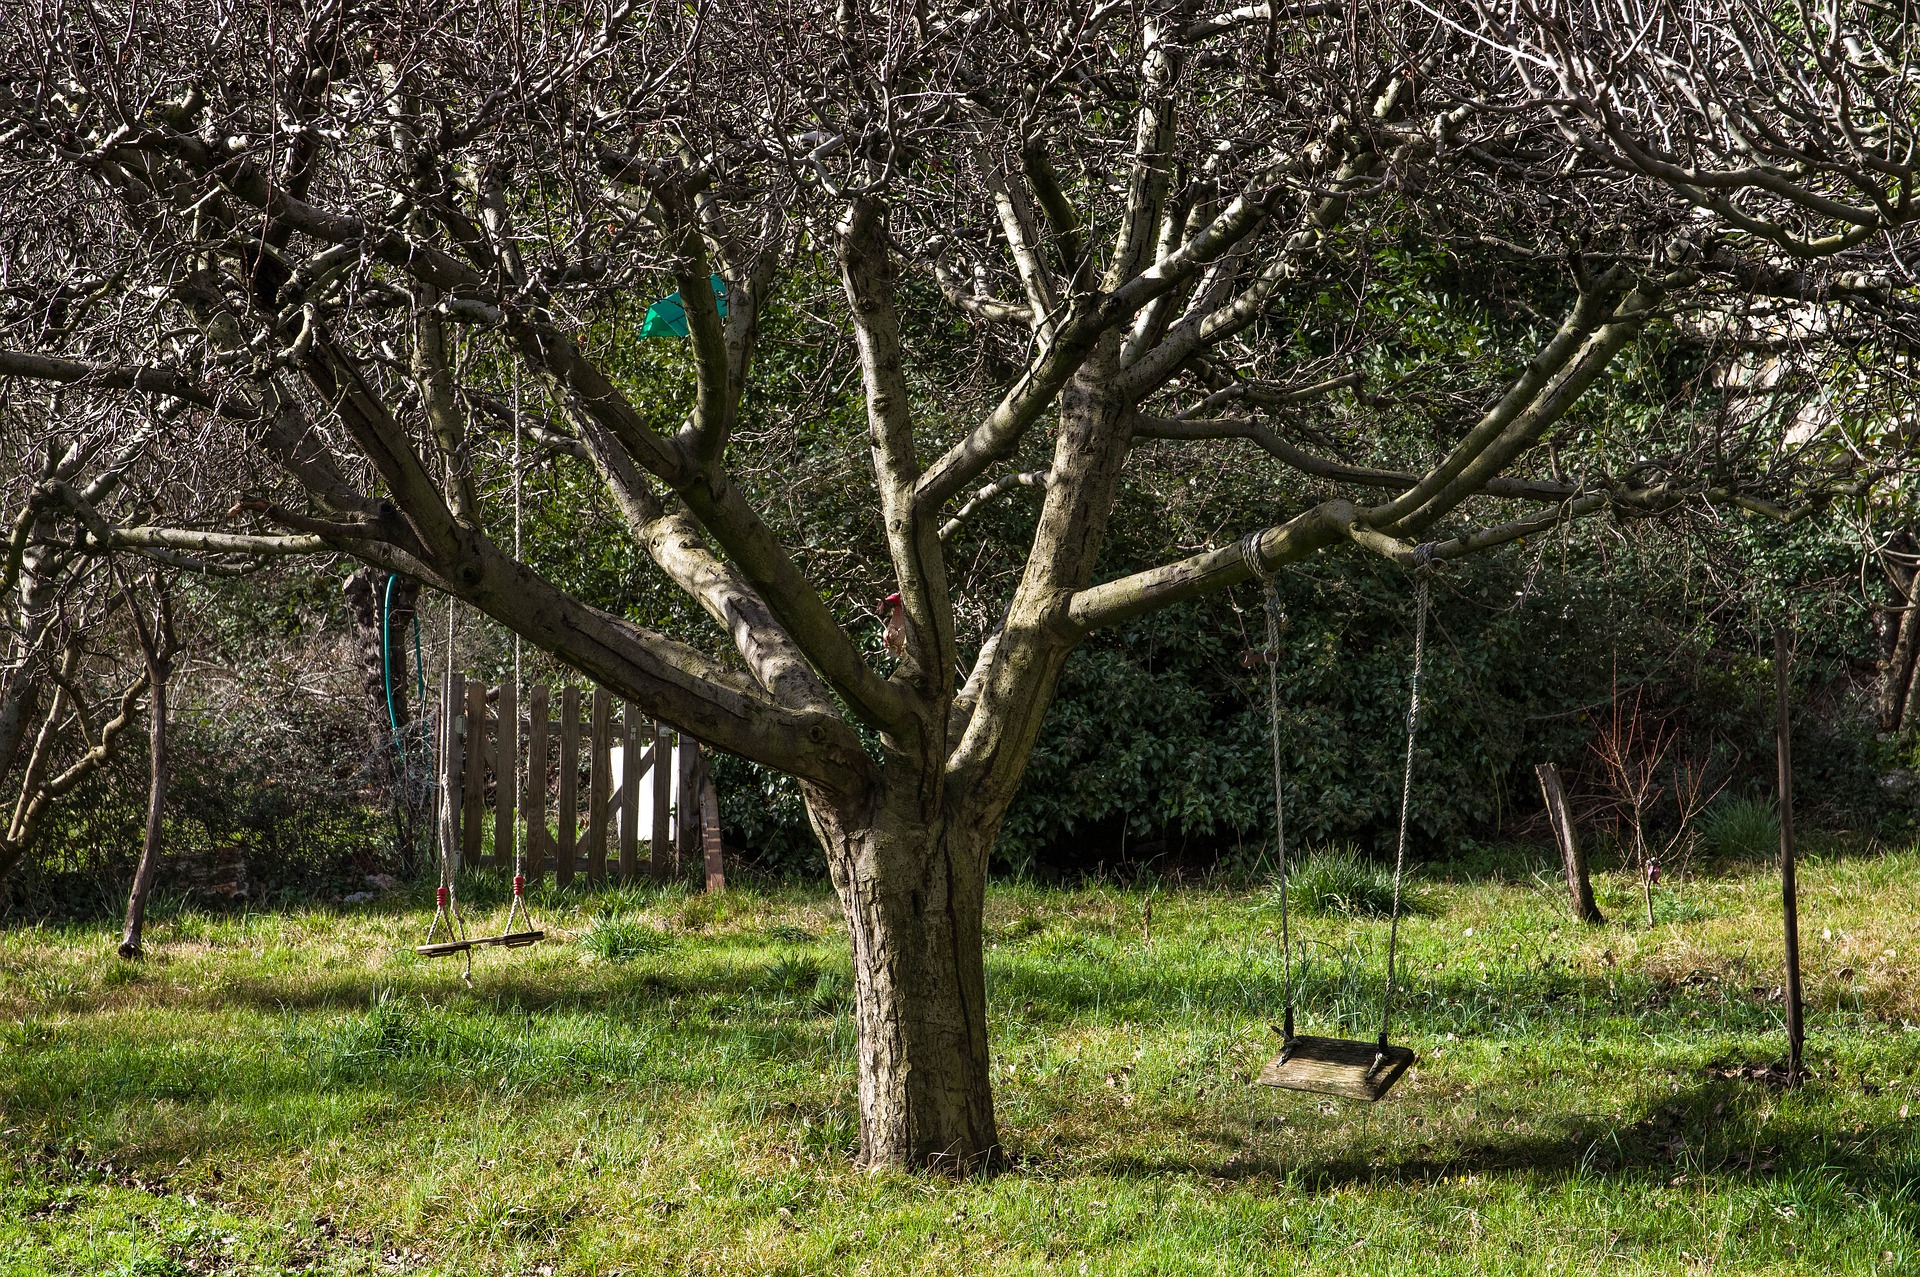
pixel 1738 827
pixel 1339 880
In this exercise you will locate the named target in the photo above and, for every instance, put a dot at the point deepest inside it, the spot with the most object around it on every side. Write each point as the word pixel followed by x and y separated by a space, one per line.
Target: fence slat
pixel 452 759
pixel 476 778
pixel 657 852
pixel 534 802
pixel 569 849
pixel 598 783
pixel 629 792
pixel 686 830
pixel 710 831
pixel 506 775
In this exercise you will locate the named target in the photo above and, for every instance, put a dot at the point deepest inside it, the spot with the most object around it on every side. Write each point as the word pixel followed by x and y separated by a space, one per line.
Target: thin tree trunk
pixel 156 801
pixel 1573 857
pixel 1789 891
pixel 1901 651
pixel 913 894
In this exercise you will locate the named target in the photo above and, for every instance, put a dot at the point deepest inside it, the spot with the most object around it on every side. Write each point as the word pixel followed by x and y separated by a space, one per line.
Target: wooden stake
pixel 710 847
pixel 686 830
pixel 658 853
pixel 1789 893
pixel 599 772
pixel 629 793
pixel 474 802
pixel 506 774
pixel 569 850
pixel 1573 857
pixel 535 803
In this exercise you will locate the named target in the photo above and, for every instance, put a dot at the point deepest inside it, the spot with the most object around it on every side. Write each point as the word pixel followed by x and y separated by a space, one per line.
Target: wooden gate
pixel 526 764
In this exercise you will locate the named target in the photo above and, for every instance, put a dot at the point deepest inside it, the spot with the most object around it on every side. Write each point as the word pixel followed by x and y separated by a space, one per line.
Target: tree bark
pixel 913 891
pixel 1898 687
pixel 143 877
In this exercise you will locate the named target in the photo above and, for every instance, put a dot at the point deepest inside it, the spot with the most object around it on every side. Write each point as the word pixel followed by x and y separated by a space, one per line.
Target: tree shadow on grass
pixel 1711 1127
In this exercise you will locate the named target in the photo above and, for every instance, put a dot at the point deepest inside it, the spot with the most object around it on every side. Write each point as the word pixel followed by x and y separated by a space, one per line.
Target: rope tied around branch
pixel 1250 553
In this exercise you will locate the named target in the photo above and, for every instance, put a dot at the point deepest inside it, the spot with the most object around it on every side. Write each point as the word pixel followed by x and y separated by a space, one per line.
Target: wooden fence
pixel 527 764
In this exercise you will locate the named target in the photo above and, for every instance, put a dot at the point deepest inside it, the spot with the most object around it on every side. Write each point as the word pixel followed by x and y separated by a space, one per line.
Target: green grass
pixel 1340 881
pixel 667 1087
pixel 1740 827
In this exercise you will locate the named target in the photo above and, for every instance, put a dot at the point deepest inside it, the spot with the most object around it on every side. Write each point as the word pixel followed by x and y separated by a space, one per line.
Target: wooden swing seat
pixel 508 940
pixel 1337 1066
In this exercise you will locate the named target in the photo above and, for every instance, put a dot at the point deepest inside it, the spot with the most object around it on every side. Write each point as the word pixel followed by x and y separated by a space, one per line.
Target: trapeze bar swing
pixel 1353 1069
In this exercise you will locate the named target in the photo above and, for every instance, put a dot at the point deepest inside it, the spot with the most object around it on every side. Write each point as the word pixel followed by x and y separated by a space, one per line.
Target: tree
pixel 334 229
pixel 158 647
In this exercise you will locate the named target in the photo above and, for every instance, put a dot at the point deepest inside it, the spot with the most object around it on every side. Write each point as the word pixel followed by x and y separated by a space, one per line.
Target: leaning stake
pixel 1789 897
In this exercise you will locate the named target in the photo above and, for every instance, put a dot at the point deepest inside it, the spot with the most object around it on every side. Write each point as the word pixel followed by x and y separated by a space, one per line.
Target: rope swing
pixel 1338 1066
pixel 447 908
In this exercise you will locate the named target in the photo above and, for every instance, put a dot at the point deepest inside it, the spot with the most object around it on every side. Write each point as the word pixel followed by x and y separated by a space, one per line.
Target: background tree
pixel 332 231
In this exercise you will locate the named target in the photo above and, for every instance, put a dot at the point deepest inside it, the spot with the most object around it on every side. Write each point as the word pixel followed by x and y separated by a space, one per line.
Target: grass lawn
pixel 666 1087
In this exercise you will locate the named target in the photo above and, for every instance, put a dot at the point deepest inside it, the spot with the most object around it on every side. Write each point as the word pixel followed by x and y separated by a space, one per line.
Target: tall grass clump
pixel 1740 827
pixel 620 937
pixel 1339 880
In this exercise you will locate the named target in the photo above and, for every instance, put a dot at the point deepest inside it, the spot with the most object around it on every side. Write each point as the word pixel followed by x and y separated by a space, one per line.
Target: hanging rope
pixel 519 905
pixel 1249 551
pixel 446 901
pixel 1422 556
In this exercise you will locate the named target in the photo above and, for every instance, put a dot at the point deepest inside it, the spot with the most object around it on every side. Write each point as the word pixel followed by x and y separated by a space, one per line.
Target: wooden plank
pixel 506 772
pixel 686 823
pixel 534 803
pixel 453 731
pixel 474 801
pixel 710 830
pixel 599 770
pixel 569 814
pixel 657 853
pixel 1573 857
pixel 629 793
pixel 1336 1066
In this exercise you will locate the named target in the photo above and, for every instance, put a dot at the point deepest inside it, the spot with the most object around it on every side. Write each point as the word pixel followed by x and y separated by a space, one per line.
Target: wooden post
pixel 599 771
pixel 453 732
pixel 710 830
pixel 568 851
pixel 1789 893
pixel 1573 857
pixel 476 780
pixel 506 775
pixel 534 804
pixel 686 825
pixel 657 853
pixel 629 793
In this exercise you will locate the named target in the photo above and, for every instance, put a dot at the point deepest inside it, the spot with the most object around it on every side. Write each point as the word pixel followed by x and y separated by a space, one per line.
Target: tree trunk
pixel 1898 685
pixel 913 891
pixel 1900 641
pixel 1573 857
pixel 156 799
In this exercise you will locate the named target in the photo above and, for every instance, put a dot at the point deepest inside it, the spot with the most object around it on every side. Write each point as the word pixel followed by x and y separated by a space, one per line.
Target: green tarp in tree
pixel 668 318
